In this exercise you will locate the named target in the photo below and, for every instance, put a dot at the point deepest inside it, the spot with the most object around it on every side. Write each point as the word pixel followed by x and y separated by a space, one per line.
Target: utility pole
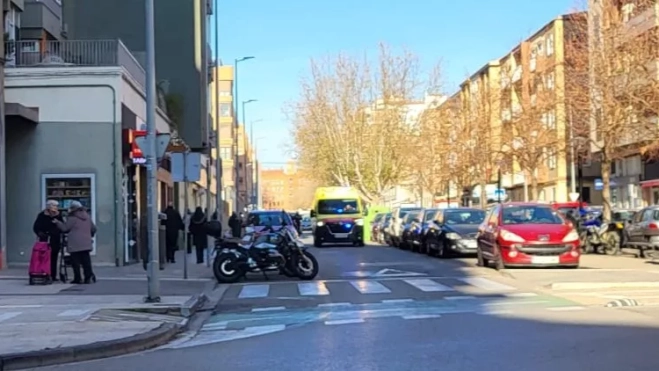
pixel 218 160
pixel 151 160
pixel 236 127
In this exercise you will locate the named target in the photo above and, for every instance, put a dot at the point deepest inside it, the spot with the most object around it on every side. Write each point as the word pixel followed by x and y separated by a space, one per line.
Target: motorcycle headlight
pixel 453 236
pixel 359 222
pixel 320 224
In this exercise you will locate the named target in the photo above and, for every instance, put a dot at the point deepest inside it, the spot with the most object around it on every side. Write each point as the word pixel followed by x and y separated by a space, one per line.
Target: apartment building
pixel 222 113
pixel 634 180
pixel 535 116
pixel 286 189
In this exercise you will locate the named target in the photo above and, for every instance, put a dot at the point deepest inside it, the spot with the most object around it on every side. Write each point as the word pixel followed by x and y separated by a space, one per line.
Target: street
pixel 379 308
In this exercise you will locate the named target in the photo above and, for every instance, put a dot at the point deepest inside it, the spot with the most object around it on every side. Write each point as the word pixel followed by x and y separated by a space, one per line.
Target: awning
pixel 19 112
pixel 650 183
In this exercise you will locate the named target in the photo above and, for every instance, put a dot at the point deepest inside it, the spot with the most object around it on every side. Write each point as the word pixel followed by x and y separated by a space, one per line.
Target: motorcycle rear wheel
pixel 225 269
pixel 306 266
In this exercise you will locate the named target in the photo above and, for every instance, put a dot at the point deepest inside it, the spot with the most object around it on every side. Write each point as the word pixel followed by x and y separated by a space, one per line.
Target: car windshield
pixel 530 214
pixel 273 219
pixel 410 216
pixel 349 206
pixel 464 217
pixel 403 212
pixel 429 215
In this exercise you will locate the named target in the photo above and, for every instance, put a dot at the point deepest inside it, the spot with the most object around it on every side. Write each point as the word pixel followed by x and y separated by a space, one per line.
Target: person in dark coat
pixel 173 225
pixel 81 230
pixel 47 231
pixel 198 230
pixel 235 224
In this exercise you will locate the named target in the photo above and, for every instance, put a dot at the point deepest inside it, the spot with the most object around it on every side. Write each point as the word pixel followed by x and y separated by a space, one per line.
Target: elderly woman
pixel 47 231
pixel 81 231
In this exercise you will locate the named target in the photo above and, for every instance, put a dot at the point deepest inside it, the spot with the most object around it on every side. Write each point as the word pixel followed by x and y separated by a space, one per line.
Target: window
pixel 225 153
pixel 551 158
pixel 551 120
pixel 225 110
pixel 331 207
pixel 550 82
pixel 530 214
pixel 550 45
pixel 463 217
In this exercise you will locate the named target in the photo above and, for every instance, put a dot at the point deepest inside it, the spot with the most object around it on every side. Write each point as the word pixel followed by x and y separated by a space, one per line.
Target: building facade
pixel 286 189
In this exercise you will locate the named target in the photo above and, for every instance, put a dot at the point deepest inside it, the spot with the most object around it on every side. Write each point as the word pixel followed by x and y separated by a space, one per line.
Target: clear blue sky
pixel 285 35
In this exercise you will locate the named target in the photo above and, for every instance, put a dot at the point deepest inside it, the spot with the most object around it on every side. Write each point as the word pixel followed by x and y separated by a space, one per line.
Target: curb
pixel 601 285
pixel 102 349
pixel 192 305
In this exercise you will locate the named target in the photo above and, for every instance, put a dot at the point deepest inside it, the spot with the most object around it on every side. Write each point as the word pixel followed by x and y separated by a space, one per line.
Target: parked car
pixel 453 232
pixel 642 232
pixel 418 239
pixel 306 224
pixel 376 225
pixel 396 224
pixel 527 234
pixel 384 235
pixel 410 224
pixel 259 220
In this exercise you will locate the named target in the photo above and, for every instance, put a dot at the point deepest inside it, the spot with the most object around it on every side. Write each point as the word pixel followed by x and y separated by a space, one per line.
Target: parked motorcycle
pixel 602 239
pixel 277 251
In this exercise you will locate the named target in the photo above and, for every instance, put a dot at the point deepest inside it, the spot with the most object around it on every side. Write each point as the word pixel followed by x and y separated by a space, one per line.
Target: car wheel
pixel 498 260
pixel 480 259
pixel 443 251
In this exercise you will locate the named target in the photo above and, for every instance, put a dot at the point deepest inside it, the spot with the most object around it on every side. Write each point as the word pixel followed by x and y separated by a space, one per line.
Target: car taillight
pixel 653 225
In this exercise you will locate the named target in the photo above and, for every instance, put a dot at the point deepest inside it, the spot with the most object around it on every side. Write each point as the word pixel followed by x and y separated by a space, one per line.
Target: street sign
pixel 574 196
pixel 599 184
pixel 162 142
pixel 186 167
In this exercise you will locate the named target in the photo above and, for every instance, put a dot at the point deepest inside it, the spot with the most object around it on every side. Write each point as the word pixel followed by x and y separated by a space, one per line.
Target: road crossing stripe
pixel 312 289
pixel 422 316
pixel 9 315
pixel 428 285
pixel 254 291
pixel 370 287
pixel 485 284
pixel 73 312
pixel 344 321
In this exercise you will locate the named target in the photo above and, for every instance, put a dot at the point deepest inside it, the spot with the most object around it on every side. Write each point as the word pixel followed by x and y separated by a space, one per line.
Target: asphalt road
pixel 377 308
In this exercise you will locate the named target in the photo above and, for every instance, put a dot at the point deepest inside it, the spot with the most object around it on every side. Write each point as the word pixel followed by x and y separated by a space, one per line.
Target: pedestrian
pixel 188 217
pixel 47 231
pixel 81 231
pixel 173 224
pixel 235 224
pixel 198 230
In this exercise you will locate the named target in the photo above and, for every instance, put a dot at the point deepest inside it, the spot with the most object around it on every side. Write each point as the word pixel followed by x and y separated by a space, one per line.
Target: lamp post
pixel 245 148
pixel 237 61
pixel 252 161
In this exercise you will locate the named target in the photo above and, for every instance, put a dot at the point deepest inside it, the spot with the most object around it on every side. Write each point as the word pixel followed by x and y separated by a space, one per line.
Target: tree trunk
pixel 483 194
pixel 606 189
pixel 534 185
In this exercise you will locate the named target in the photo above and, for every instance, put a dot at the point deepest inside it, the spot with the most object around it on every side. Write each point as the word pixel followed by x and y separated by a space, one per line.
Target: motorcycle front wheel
pixel 226 269
pixel 306 266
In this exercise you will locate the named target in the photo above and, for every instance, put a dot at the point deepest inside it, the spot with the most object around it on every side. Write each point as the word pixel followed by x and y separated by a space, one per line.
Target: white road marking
pixel 73 312
pixel 370 287
pixel 464 297
pixel 422 316
pixel 211 337
pixel 312 288
pixel 268 309
pixel 344 321
pixel 254 291
pixel 565 309
pixel 428 285
pixel 494 312
pixel 333 305
pixel 485 284
pixel 9 315
pixel 393 301
pixel 522 295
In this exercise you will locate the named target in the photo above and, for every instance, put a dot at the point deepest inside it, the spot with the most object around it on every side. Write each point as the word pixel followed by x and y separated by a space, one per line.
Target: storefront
pixel 650 191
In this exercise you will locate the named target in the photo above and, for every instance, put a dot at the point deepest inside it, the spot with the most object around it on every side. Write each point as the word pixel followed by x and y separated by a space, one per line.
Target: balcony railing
pixel 73 53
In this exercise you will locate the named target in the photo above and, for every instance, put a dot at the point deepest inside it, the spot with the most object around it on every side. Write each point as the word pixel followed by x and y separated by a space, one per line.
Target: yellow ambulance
pixel 338 216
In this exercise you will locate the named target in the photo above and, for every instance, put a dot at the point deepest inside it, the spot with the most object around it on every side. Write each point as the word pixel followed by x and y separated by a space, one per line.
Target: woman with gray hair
pixel 81 231
pixel 46 231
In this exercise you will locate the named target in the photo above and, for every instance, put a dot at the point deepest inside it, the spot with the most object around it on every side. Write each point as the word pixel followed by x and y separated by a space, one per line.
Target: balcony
pixel 517 75
pixel 74 53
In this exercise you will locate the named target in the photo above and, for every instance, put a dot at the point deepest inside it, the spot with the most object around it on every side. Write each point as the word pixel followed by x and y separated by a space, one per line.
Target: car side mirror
pixel 312 213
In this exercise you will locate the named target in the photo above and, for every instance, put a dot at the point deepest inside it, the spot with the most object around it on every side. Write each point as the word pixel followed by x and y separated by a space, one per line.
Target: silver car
pixel 306 223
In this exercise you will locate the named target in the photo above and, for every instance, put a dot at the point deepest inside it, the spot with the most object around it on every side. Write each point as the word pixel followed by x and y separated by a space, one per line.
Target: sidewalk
pixel 62 323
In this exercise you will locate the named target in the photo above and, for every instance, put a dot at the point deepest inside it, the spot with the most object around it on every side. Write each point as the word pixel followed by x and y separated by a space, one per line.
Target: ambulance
pixel 338 216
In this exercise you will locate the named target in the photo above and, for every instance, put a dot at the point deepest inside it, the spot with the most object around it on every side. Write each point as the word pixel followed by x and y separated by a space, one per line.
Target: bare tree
pixel 618 92
pixel 350 125
pixel 429 162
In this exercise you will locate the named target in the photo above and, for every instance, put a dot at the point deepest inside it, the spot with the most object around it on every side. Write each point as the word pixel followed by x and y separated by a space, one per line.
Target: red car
pixel 527 234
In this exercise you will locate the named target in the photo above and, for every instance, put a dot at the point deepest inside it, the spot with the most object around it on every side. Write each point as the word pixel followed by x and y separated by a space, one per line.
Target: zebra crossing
pixel 402 287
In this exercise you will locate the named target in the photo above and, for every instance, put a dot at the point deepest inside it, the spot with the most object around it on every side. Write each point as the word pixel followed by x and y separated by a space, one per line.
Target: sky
pixel 285 35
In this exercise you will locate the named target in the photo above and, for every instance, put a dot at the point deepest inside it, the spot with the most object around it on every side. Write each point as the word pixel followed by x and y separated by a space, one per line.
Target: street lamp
pixel 235 124
pixel 245 147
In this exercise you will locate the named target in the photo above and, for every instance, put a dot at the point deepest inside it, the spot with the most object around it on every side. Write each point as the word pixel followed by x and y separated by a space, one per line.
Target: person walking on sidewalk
pixel 173 224
pixel 198 230
pixel 81 232
pixel 47 231
pixel 235 224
